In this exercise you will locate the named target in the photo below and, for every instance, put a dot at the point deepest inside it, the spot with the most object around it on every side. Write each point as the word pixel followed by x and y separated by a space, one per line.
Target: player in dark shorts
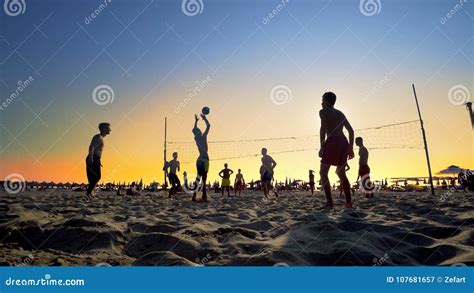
pixel 364 169
pixel 311 181
pixel 173 166
pixel 239 182
pixel 335 149
pixel 94 156
pixel 202 162
pixel 266 172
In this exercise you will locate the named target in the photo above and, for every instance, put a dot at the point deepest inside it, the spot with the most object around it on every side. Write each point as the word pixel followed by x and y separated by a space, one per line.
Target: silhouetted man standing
pixel 334 147
pixel 364 169
pixel 173 166
pixel 93 164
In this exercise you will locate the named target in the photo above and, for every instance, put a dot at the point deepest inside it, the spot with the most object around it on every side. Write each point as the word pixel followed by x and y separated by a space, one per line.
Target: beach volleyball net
pixel 402 135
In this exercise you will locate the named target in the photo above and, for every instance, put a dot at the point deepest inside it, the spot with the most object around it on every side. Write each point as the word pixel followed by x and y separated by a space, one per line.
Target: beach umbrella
pixel 453 169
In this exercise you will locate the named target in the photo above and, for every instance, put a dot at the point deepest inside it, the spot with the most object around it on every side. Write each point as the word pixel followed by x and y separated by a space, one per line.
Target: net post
pixel 164 154
pixel 424 140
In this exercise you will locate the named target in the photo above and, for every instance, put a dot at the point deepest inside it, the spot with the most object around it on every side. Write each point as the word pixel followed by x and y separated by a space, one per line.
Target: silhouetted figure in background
pixel 334 147
pixel 239 182
pixel 444 184
pixel 134 189
pixel 93 164
pixel 466 180
pixel 311 181
pixel 266 172
pixel 364 170
pixel 225 175
pixel 202 163
pixel 173 166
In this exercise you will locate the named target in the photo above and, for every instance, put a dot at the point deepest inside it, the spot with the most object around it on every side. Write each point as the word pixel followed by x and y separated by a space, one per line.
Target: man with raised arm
pixel 202 163
pixel 335 149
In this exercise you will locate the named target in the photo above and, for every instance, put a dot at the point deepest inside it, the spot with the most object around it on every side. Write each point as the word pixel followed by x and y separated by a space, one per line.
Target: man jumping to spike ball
pixel 334 147
pixel 202 162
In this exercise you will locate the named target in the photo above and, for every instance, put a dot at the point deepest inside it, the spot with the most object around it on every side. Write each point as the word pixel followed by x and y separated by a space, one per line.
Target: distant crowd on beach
pixel 335 150
pixel 458 183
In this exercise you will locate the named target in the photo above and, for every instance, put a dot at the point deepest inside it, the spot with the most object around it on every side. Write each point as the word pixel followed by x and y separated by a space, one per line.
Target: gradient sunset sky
pixel 153 55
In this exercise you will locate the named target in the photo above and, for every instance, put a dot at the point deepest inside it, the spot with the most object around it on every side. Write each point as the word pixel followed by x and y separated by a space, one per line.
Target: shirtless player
pixel 239 182
pixel 225 175
pixel 364 170
pixel 93 158
pixel 202 162
pixel 311 181
pixel 334 147
pixel 266 173
pixel 173 166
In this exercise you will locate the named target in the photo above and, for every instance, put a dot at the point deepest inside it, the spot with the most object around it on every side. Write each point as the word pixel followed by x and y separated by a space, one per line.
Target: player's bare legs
pixel 323 171
pixel 346 186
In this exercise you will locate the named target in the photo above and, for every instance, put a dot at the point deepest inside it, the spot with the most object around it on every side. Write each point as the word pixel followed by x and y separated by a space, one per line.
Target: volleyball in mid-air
pixel 205 110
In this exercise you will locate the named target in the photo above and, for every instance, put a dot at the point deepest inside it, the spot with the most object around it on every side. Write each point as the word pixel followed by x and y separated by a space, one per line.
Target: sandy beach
pixel 61 228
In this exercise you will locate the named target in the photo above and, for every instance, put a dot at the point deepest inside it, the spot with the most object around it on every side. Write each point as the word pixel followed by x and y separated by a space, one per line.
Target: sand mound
pixel 258 226
pixel 71 240
pixel 162 258
pixel 80 223
pixel 159 228
pixel 158 242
